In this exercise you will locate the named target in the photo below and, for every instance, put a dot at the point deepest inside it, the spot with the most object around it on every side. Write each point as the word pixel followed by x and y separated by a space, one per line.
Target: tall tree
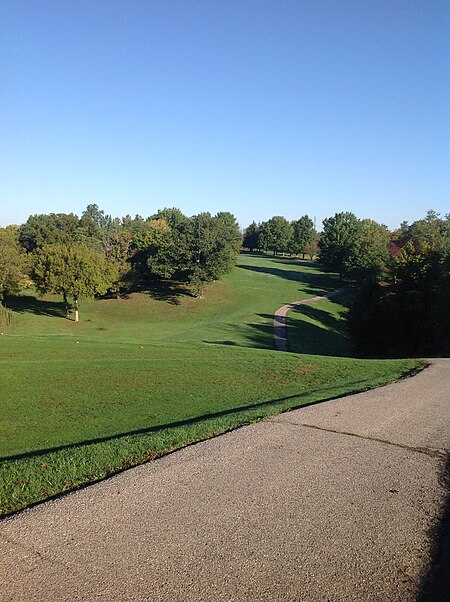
pixel 338 240
pixel 303 235
pixel 368 257
pixel 206 248
pixel 251 237
pixel 172 216
pixel 93 214
pixel 154 257
pixel 45 229
pixel 275 235
pixel 75 270
pixel 410 316
pixel 11 262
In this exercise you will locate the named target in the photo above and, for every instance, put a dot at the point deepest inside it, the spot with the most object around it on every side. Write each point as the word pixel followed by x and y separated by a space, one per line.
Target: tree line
pixel 402 305
pixel 98 254
pixel 403 277
pixel 278 235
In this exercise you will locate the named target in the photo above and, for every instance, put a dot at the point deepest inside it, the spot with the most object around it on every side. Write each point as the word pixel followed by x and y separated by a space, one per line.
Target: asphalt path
pixel 280 318
pixel 334 502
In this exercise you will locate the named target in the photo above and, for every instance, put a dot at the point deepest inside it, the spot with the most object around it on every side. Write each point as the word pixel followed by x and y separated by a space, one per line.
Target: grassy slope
pixel 140 376
pixel 321 327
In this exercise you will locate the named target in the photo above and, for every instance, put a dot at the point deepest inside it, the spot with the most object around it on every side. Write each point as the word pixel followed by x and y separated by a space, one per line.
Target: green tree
pixel 410 316
pixel 251 237
pixel 368 257
pixel 11 262
pixel 172 216
pixel 338 241
pixel 302 236
pixel 74 270
pixel 275 235
pixel 155 257
pixel 45 229
pixel 311 248
pixel 206 247
pixel 94 215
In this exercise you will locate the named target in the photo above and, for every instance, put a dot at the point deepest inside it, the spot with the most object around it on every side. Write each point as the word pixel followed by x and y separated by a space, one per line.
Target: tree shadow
pixel 324 392
pixel 315 283
pixel 170 292
pixel 254 336
pixel 435 582
pixel 33 305
pixel 325 335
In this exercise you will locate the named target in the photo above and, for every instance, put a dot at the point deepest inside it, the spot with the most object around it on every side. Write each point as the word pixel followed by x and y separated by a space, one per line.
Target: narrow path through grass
pixel 280 331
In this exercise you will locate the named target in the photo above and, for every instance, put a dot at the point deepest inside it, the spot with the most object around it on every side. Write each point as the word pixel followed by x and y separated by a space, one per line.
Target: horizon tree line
pixel 403 276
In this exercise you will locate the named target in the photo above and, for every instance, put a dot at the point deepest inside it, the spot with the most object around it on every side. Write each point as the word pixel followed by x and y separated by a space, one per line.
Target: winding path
pixel 280 318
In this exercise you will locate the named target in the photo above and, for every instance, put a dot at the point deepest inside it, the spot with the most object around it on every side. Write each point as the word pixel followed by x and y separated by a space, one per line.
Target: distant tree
pixel 312 247
pixel 11 262
pixel 206 248
pixel 432 233
pixel 155 252
pixel 194 250
pixel 41 230
pixel 368 256
pixel 303 235
pixel 410 316
pixel 228 243
pixel 75 270
pixel 275 235
pixel 94 215
pixel 251 237
pixel 338 241
pixel 172 216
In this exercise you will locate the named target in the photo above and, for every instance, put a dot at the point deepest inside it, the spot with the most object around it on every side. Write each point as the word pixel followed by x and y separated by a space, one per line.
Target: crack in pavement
pixel 39 555
pixel 428 451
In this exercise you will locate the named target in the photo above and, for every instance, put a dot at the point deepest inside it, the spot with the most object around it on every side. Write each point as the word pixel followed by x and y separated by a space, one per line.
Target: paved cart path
pixel 280 318
pixel 330 502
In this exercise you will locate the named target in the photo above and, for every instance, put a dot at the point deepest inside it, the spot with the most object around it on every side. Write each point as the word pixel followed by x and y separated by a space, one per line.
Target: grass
pixel 142 376
pixel 321 327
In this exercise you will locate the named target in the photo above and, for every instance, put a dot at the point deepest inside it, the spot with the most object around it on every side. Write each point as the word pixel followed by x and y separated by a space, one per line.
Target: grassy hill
pixel 140 376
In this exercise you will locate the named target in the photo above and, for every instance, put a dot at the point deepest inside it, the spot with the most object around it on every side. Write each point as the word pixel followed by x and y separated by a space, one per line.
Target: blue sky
pixel 260 108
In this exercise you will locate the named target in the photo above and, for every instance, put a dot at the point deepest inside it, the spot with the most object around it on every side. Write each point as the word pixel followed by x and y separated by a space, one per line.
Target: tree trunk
pixel 66 303
pixel 76 308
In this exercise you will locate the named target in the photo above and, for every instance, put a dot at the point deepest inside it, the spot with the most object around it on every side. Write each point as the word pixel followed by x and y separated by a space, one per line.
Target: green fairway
pixel 236 310
pixel 321 327
pixel 140 376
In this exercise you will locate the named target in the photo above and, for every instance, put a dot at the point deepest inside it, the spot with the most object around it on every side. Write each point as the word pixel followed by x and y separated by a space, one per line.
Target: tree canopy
pixel 72 270
pixel 12 263
pixel 275 235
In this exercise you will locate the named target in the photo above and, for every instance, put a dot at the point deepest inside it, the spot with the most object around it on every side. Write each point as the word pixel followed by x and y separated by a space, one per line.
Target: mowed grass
pixel 237 310
pixel 142 376
pixel 321 327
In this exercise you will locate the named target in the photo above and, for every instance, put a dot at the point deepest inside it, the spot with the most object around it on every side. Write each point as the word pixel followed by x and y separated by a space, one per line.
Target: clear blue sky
pixel 258 107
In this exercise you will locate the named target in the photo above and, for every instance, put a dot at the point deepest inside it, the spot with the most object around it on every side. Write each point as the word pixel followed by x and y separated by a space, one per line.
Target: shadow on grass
pixel 327 336
pixel 316 283
pixel 32 305
pixel 170 292
pixel 357 387
pixel 256 336
pixel 435 583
